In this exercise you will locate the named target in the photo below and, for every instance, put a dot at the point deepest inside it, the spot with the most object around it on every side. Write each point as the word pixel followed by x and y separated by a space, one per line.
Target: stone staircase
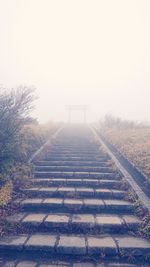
pixel 76 213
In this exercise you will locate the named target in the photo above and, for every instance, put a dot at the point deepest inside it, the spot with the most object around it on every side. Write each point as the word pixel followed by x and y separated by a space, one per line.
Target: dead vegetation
pixel 131 138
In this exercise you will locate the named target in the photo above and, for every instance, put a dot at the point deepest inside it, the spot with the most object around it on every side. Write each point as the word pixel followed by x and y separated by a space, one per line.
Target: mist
pixel 81 52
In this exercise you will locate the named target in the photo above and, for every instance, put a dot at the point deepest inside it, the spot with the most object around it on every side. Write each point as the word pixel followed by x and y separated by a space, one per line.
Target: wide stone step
pixel 94 183
pixel 19 262
pixel 73 163
pixel 75 154
pixel 77 205
pixel 74 169
pixel 80 145
pixel 75 150
pixel 79 158
pixel 80 174
pixel 78 223
pixel 74 192
pixel 47 245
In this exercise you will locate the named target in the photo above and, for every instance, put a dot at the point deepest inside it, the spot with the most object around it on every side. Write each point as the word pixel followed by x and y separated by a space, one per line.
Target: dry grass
pixel 133 143
pixel 5 194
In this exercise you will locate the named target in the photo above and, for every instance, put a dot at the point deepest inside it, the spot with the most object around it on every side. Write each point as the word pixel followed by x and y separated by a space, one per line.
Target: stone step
pixel 94 183
pixel 74 192
pixel 48 245
pixel 65 174
pixel 74 169
pixel 75 154
pixel 79 158
pixel 76 205
pixel 72 145
pixel 70 223
pixel 73 163
pixel 19 262
pixel 86 150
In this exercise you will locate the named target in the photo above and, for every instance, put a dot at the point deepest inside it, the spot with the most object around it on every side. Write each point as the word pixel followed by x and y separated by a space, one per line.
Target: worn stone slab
pixel 33 218
pixel 66 189
pixel 16 218
pixel 94 204
pixel 98 245
pixel 118 193
pixel 81 174
pixel 71 245
pixel 83 264
pixel 49 181
pixel 56 220
pixel 32 189
pixel 54 202
pixel 48 189
pixel 56 174
pixel 8 264
pixel 32 201
pixel 138 246
pixel 13 242
pixel 123 265
pixel 53 265
pixel 85 191
pixel 108 220
pixel 73 203
pixel 117 204
pixel 111 184
pixel 41 241
pixel 131 219
pixel 83 219
pixel 103 190
pixel 26 264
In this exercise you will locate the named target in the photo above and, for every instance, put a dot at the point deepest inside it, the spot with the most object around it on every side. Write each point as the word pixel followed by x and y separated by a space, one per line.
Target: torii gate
pixel 71 108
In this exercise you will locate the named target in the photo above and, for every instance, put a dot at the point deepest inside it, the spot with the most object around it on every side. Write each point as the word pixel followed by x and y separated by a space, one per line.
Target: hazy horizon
pixel 78 52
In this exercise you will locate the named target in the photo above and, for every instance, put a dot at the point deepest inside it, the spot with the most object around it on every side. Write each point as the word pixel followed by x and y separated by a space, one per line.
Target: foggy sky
pixel 93 52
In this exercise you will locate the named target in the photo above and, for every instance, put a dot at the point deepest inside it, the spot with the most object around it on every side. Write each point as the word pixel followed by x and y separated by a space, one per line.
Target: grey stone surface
pixel 32 189
pixel 117 204
pixel 83 189
pixel 83 264
pixel 56 264
pixel 94 203
pixel 73 203
pixel 137 245
pixel 71 245
pixel 102 190
pixel 34 218
pixel 122 265
pixel 8 263
pixel 53 201
pixel 56 219
pixel 101 245
pixel 48 189
pixel 41 241
pixel 66 190
pixel 108 220
pixel 32 201
pixel 83 219
pixel 130 219
pixel 26 264
pixel 16 218
pixel 12 242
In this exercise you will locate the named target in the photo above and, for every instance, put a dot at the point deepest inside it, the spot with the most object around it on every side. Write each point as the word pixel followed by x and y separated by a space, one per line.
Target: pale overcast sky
pixel 94 52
